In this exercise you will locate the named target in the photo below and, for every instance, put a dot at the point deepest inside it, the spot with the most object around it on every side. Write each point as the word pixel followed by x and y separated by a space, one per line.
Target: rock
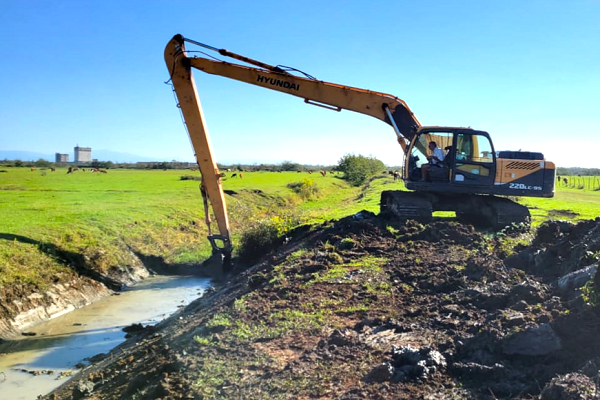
pixel 569 283
pixel 569 387
pixel 537 341
pixel 381 373
pixel 416 363
pixel 520 306
pixel 530 291
pixel 405 355
pixel 83 389
pixel 343 337
pixel 133 328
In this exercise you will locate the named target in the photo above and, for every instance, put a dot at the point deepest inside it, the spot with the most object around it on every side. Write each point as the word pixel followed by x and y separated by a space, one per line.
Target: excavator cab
pixel 469 160
pixel 469 180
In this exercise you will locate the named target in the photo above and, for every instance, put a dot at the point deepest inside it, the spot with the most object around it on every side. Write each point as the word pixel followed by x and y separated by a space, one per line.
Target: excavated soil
pixel 364 308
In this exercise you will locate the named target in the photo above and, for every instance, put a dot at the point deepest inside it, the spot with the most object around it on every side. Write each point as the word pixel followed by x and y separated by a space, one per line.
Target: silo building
pixel 83 154
pixel 61 157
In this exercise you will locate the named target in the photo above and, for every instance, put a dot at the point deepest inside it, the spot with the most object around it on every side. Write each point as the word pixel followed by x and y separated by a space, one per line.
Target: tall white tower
pixel 83 154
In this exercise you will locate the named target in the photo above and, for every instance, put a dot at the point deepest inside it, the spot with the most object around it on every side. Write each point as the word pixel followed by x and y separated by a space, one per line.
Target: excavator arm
pixel 385 107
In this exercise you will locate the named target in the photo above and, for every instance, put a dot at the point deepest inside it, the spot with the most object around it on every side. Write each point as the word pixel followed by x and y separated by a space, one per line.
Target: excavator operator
pixel 436 160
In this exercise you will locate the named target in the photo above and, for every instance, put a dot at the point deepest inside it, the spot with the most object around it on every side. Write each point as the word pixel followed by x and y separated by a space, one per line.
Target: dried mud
pixel 364 308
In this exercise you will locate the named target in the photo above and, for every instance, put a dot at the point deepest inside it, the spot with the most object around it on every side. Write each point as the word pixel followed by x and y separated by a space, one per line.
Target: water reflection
pixel 62 343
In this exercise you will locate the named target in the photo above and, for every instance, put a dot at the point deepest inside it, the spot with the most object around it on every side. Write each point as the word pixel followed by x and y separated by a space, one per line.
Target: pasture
pixel 576 199
pixel 105 217
pixel 50 218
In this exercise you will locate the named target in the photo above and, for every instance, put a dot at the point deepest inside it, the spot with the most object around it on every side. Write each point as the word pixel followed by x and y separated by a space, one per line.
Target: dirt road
pixel 363 308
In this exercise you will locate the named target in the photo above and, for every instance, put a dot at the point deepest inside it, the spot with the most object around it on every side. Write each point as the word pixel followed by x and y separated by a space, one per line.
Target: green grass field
pixel 578 199
pixel 105 217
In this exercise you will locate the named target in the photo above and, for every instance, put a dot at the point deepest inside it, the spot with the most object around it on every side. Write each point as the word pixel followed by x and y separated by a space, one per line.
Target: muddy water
pixel 36 365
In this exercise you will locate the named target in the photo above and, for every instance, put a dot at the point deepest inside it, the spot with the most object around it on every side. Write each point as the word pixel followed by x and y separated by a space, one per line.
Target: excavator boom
pixel 385 107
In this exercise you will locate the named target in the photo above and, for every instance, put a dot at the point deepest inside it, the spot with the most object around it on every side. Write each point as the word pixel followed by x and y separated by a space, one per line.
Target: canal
pixel 35 365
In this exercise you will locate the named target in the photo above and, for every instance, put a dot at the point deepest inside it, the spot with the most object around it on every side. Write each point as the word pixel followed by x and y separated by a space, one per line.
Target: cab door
pixel 474 160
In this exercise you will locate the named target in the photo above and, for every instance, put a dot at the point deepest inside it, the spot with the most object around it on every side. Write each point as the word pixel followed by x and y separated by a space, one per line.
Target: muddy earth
pixel 365 308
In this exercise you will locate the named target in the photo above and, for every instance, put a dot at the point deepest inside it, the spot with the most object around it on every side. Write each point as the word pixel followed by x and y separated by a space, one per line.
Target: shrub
pixel 290 166
pixel 306 189
pixel 262 237
pixel 190 178
pixel 358 169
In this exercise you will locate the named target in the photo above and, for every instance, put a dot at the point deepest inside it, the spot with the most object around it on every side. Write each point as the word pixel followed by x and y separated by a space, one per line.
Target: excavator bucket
pixel 218 264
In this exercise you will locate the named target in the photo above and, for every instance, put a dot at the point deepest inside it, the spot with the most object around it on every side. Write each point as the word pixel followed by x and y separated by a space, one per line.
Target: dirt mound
pixel 560 248
pixel 366 308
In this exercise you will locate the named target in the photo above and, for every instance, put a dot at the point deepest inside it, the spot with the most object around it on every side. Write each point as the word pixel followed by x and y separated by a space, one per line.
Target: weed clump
pixel 307 189
pixel 190 178
pixel 346 244
pixel 262 237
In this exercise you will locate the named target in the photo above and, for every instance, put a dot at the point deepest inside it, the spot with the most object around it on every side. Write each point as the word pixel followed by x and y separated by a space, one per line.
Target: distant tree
pixel 358 169
pixel 577 171
pixel 102 164
pixel 18 163
pixel 41 163
pixel 290 166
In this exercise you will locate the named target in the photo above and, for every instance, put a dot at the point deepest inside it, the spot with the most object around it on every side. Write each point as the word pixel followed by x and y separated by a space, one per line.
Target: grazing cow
pixel 558 179
pixel 104 171
pixel 565 180
pixel 32 168
pixel 241 175
pixel 233 175
pixel 53 169
pixel 396 175
pixel 70 170
pixel 323 173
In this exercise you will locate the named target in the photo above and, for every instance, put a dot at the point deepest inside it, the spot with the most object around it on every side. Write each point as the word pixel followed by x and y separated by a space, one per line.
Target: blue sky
pixel 92 72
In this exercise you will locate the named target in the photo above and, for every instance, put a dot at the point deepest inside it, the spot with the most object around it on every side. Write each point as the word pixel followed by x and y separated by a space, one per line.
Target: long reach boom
pixel 385 107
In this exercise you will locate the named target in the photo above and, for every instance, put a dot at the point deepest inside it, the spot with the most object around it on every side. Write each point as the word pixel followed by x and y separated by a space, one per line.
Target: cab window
pixel 473 148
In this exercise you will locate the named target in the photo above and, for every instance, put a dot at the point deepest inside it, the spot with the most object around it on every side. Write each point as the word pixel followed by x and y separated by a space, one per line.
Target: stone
pixel 537 341
pixel 381 373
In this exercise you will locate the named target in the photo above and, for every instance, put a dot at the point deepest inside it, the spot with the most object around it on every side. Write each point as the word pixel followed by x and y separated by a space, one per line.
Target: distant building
pixel 61 157
pixel 83 154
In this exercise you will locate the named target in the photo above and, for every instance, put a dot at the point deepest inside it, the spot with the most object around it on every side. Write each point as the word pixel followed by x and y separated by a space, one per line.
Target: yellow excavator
pixel 469 181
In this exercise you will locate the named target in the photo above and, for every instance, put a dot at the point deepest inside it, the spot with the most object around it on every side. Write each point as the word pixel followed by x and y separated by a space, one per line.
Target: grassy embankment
pixel 50 218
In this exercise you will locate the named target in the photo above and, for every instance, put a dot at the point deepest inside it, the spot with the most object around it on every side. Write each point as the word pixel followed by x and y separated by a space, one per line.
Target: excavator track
pixel 488 212
pixel 406 205
pixel 506 212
